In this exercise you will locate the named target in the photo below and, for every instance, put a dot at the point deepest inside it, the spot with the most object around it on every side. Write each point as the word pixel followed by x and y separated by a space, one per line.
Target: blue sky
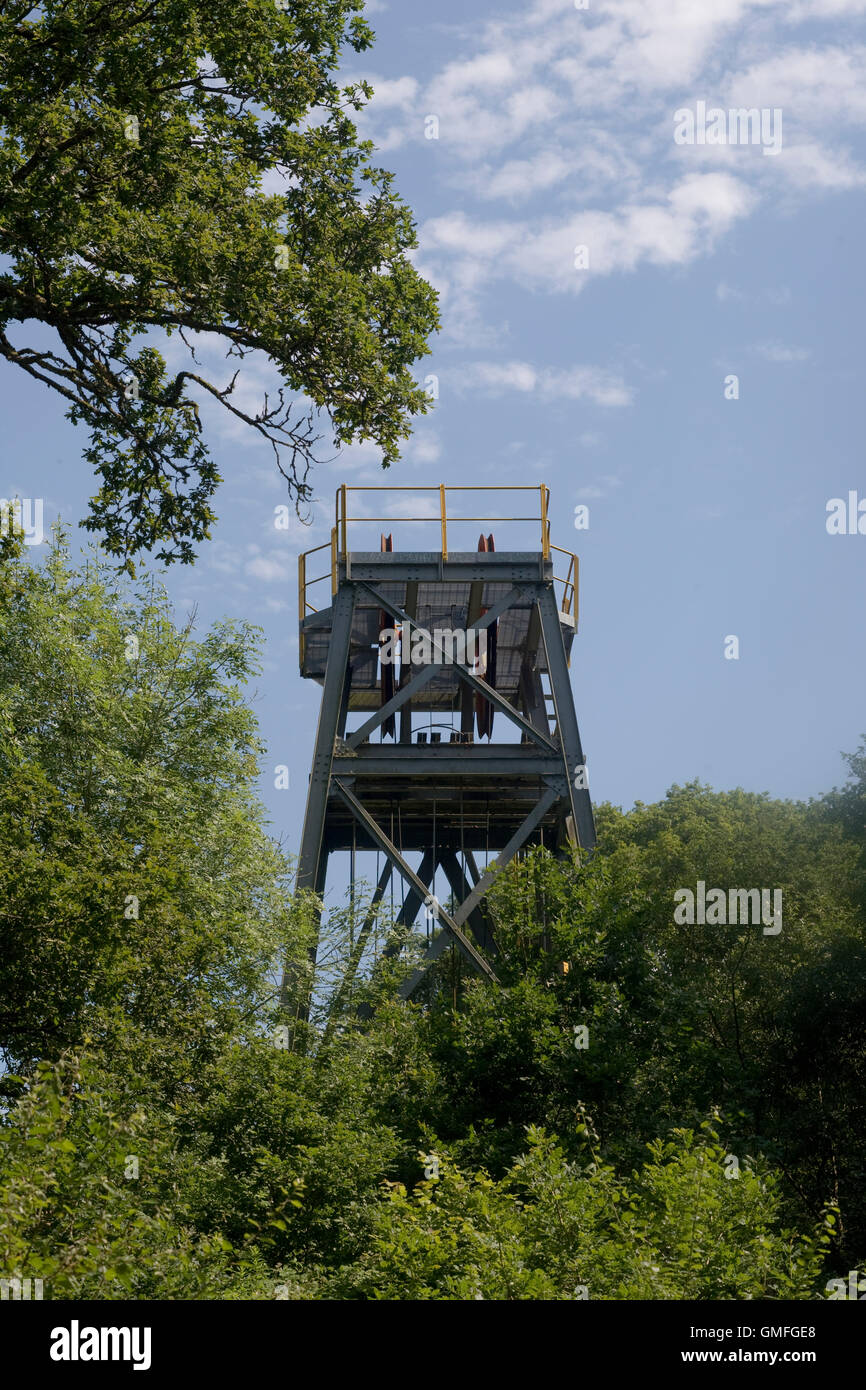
pixel 707 514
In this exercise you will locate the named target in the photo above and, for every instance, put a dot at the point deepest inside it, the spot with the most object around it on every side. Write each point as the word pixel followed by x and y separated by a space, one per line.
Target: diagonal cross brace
pixel 378 834
pixel 461 888
pixel 520 836
pixel 408 691
pixel 477 684
pixel 566 719
pixel 418 682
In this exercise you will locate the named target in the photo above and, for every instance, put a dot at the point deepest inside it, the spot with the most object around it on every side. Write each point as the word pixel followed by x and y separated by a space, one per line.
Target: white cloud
pixel 387 92
pixel 779 352
pixel 520 178
pixel 725 292
pixel 809 166
pixel 542 255
pixel 593 383
pixel 549 383
pixel 497 377
pixel 423 448
pixel 520 112
pixel 267 568
pixel 771 294
pixel 421 504
pixel 812 85
pixel 354 457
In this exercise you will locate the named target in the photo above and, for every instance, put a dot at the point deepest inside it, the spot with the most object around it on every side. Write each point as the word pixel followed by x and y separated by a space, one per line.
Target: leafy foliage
pixel 138 887
pixel 708 1142
pixel 555 1229
pixel 138 145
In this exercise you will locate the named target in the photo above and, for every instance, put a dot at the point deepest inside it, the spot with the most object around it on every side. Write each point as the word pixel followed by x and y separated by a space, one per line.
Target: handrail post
pixel 444 521
pixel 333 560
pixel 545 527
pixel 302 601
pixel 576 588
pixel 345 510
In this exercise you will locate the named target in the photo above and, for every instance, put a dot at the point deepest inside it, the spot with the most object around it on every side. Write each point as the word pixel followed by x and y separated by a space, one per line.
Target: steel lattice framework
pixel 447 801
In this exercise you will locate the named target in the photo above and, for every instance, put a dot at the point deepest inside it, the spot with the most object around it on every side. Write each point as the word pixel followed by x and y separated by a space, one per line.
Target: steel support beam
pixel 478 919
pixel 303 1010
pixel 471 866
pixel 358 948
pixel 531 690
pixel 377 833
pixel 518 839
pixel 411 904
pixel 567 733
pixel 405 672
pixel 403 695
pixel 414 899
pixel 478 685
pixel 467 699
pixel 473 760
pixel 520 567
pixel 466 907
pixel 539 772
pixel 326 732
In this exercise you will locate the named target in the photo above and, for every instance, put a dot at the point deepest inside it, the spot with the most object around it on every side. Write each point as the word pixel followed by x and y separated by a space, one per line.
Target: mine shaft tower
pixel 392 782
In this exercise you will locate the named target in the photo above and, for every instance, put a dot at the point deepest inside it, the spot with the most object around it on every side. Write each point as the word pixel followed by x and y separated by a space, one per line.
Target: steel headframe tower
pixel 384 648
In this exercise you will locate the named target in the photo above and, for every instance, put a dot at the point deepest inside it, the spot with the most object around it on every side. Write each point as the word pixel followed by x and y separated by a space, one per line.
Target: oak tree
pixel 182 168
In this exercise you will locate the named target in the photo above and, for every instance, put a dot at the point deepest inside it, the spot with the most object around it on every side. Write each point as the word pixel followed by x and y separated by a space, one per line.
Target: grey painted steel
pixel 414 899
pixel 433 952
pixel 461 888
pixel 494 567
pixel 412 903
pixel 472 866
pixel 538 771
pixel 302 1013
pixel 496 609
pixel 449 923
pixel 466 907
pixel 417 683
pixel 323 755
pixel 481 687
pixel 517 840
pixel 467 699
pixel 406 712
pixel 531 689
pixel 419 760
pixel 533 698
pixel 566 719
pixel 314 622
pixel 358 948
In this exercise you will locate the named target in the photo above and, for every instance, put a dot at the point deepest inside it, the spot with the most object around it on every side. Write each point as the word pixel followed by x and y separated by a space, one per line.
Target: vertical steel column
pixel 478 920
pixel 412 903
pixel 312 862
pixel 567 732
pixel 406 671
pixel 336 675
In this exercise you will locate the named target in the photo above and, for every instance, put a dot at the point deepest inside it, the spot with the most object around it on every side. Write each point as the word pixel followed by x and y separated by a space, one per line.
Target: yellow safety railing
pixel 343 519
pixel 339 542
pixel 569 584
pixel 304 584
